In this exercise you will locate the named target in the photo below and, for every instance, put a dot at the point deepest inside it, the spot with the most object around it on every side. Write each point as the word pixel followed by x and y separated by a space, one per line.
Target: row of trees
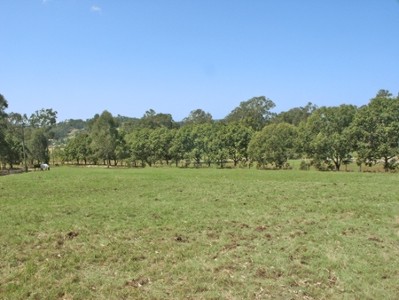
pixel 250 134
pixel 25 140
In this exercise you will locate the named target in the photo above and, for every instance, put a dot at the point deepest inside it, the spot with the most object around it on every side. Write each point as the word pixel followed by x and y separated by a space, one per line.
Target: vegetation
pixel 376 130
pixel 203 233
pixel 250 135
pixel 275 143
pixel 328 135
pixel 157 233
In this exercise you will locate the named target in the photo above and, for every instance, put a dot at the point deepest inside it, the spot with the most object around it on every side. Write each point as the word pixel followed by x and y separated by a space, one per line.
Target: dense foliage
pixel 250 135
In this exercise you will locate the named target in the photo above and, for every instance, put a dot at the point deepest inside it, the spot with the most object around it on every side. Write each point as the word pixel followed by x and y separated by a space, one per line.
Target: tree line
pixel 250 135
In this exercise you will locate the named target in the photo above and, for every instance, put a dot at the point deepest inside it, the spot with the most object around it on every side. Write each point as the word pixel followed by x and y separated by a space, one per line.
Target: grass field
pixel 95 233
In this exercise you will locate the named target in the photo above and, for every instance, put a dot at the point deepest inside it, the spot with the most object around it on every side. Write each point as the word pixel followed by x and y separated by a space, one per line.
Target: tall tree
pixel 218 145
pixel 104 136
pixel 39 146
pixel 16 138
pixel 3 107
pixel 182 145
pixel 295 115
pixel 122 151
pixel 254 113
pixel 41 124
pixel 202 136
pixel 152 120
pixel 3 124
pixel 44 118
pixel 328 134
pixel 376 129
pixel 140 147
pixel 274 144
pixel 237 137
pixel 13 150
pixel 198 116
pixel 78 148
pixel 160 140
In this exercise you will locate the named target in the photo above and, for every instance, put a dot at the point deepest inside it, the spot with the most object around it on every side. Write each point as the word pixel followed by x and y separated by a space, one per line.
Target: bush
pixel 305 166
pixel 321 165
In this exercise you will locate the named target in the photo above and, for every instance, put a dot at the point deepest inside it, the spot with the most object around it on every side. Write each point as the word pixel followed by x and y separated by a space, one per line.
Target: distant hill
pixel 69 127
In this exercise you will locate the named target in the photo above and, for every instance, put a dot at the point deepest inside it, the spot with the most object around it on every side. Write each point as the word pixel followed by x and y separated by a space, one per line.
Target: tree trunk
pixel 337 163
pixel 386 164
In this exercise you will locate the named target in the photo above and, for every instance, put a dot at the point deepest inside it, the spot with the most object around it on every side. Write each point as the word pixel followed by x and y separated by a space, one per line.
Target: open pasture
pixel 154 233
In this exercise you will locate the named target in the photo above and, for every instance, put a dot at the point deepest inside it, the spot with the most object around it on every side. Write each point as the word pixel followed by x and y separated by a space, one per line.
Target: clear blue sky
pixel 80 57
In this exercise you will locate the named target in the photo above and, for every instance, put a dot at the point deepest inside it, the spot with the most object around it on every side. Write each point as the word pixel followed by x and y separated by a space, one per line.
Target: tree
pixel 104 137
pixel 12 138
pixel 3 107
pixel 160 140
pixel 376 129
pixel 139 146
pixel 3 115
pixel 328 134
pixel 153 120
pixel 295 115
pixel 198 116
pixel 237 138
pixel 218 145
pixel 254 113
pixel 12 152
pixel 122 150
pixel 44 118
pixel 182 145
pixel 78 148
pixel 202 136
pixel 39 147
pixel 273 145
pixel 41 124
pixel 14 147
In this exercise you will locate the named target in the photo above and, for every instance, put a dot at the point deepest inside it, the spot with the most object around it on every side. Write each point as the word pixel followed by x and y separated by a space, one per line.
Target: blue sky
pixel 80 57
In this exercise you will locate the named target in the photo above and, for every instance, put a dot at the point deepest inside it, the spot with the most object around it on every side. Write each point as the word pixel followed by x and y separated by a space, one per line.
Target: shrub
pixel 305 166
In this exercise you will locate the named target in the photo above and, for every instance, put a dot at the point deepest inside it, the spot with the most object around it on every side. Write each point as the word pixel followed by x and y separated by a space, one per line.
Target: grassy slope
pixel 76 233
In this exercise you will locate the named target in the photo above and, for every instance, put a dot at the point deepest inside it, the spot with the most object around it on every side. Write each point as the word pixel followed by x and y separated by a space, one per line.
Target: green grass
pixel 95 233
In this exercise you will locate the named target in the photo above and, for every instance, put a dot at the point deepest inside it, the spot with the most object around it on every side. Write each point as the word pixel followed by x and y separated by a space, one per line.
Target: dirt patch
pixel 71 235
pixel 138 282
pixel 349 231
pixel 297 233
pixel 261 228
pixel 139 258
pixel 375 239
pixel 212 235
pixel 269 273
pixel 181 239
pixel 268 236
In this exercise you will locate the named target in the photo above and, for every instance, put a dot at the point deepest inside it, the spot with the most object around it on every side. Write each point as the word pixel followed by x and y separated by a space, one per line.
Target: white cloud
pixel 96 9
